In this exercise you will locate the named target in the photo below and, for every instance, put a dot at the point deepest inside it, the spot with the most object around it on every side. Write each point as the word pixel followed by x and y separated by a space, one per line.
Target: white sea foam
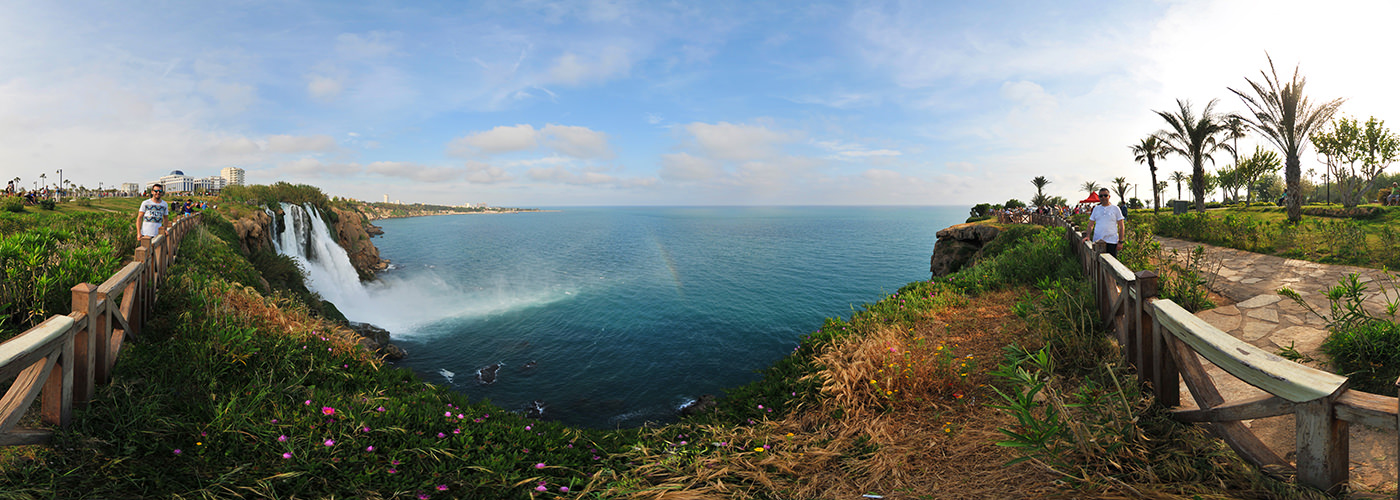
pixel 400 302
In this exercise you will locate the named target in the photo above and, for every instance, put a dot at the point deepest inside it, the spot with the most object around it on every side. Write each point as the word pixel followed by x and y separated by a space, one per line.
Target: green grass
pixel 1366 241
pixel 225 397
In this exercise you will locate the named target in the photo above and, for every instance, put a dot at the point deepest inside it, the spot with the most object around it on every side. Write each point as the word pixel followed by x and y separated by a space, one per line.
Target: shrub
pixel 1344 213
pixel 1368 353
pixel 46 204
pixel 13 204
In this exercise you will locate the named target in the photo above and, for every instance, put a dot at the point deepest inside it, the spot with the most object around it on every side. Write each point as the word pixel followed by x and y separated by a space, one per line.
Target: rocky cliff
pixel 958 246
pixel 254 232
pixel 352 230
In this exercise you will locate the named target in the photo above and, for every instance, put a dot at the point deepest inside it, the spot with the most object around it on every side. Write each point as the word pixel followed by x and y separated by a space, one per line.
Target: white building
pixel 233 176
pixel 131 188
pixel 211 184
pixel 176 182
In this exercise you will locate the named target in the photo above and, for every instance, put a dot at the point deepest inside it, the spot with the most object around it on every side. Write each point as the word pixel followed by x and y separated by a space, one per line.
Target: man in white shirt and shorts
pixel 152 214
pixel 1106 224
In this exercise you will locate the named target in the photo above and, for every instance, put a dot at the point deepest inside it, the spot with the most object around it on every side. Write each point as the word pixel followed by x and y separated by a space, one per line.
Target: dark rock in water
pixel 529 364
pixel 376 339
pixel 487 375
pixel 958 246
pixel 704 403
pixel 535 410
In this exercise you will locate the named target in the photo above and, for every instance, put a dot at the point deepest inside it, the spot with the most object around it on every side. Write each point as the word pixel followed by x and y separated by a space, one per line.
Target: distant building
pixel 386 198
pixel 176 182
pixel 131 188
pixel 233 176
pixel 211 184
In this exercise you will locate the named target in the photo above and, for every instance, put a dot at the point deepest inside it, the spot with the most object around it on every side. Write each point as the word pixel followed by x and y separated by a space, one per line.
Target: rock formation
pixel 351 232
pixel 958 246
pixel 254 232
pixel 376 339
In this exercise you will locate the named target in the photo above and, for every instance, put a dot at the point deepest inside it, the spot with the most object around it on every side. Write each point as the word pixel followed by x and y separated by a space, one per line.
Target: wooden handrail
pixel 61 360
pixel 1164 340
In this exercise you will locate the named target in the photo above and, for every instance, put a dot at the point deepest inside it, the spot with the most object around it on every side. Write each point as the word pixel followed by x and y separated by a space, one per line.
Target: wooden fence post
pixel 86 343
pixel 57 395
pixel 1141 332
pixel 1323 445
pixel 1166 379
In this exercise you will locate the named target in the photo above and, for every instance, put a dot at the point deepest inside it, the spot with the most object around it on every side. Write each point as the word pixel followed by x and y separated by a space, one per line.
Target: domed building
pixel 177 182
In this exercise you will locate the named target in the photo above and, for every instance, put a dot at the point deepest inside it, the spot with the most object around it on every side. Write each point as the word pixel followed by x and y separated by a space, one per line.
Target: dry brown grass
pixel 919 431
pixel 282 316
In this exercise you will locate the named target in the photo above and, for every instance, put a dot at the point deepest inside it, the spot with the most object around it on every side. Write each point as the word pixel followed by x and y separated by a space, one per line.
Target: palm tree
pixel 1178 177
pixel 1234 131
pixel 1120 186
pixel 1161 188
pixel 1285 116
pixel 1194 137
pixel 1039 181
pixel 1150 150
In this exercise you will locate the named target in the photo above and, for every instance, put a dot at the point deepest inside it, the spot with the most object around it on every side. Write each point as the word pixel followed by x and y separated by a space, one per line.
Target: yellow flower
pixel 789 434
pixel 760 448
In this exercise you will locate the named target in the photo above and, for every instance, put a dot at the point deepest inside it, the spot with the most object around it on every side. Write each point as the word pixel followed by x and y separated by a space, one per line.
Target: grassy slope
pixel 200 406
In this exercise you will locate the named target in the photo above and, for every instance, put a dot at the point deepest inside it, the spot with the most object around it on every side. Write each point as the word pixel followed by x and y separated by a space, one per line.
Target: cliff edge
pixel 958 246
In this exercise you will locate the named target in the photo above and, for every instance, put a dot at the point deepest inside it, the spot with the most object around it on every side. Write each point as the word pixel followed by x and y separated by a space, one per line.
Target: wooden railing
pixel 1163 341
pixel 62 360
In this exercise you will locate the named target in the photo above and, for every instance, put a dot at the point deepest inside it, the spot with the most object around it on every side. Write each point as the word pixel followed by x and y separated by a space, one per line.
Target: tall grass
pixel 42 256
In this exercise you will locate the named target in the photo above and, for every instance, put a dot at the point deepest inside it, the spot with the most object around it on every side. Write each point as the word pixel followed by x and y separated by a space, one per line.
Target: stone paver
pixel 1272 322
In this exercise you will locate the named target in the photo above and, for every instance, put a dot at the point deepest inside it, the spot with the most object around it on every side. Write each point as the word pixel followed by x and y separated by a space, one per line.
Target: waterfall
pixel 305 238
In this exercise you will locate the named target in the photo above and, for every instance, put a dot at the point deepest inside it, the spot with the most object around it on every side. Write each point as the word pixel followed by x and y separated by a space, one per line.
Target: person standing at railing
pixel 152 214
pixel 1106 224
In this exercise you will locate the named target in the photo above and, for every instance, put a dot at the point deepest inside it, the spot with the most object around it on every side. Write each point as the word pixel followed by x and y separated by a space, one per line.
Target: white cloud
pixel 738 142
pixel 563 175
pixel 413 171
pixel 867 154
pixel 502 139
pixel 314 167
pixel 574 69
pixel 325 87
pixel 300 143
pixel 686 167
pixel 374 44
pixel 481 173
pixel 578 142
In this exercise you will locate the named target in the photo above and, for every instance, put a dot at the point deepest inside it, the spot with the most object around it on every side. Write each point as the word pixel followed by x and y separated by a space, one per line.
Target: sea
pixel 609 317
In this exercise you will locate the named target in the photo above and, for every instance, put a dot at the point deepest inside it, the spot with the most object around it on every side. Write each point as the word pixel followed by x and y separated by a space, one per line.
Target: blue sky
pixel 541 103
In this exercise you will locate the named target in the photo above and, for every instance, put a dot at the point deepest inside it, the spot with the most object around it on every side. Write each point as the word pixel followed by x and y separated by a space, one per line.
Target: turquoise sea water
pixel 627 313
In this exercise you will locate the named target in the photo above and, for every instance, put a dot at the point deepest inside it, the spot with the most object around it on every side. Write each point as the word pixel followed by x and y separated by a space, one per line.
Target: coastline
pixel 373 216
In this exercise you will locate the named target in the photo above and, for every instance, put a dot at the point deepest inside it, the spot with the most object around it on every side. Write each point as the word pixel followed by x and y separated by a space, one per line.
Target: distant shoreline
pixel 375 217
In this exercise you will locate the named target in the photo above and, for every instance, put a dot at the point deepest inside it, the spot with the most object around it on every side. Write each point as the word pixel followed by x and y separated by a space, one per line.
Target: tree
pixel 1196 138
pixel 1161 188
pixel 1234 131
pixel 1347 143
pixel 980 209
pixel 1286 117
pixel 1120 186
pixel 1150 150
pixel 1089 186
pixel 1209 183
pixel 1255 167
pixel 1230 183
pixel 1178 177
pixel 1039 182
pixel 1014 203
pixel 1056 201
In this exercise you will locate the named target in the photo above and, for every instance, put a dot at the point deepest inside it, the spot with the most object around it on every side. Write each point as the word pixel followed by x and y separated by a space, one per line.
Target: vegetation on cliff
pixel 237 390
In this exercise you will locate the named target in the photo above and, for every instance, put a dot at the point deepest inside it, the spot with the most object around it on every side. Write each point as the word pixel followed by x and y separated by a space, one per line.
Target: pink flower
pixel 379 409
pixel 441 435
pixel 308 402
pixel 287 455
pixel 176 451
pixel 563 489
pixel 541 488
pixel 448 414
pixel 330 442
pixel 527 427
pixel 369 448
pixel 442 487
pixel 365 429
pixel 539 466
pixel 282 438
pixel 423 496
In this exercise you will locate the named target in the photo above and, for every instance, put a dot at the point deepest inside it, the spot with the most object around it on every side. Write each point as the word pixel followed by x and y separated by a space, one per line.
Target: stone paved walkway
pixel 1272 322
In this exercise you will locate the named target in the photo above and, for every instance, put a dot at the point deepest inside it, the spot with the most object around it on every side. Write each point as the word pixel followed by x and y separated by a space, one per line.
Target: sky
pixel 612 102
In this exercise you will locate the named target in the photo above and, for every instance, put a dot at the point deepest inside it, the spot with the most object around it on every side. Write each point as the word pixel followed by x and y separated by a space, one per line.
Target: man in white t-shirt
pixel 1106 224
pixel 152 214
